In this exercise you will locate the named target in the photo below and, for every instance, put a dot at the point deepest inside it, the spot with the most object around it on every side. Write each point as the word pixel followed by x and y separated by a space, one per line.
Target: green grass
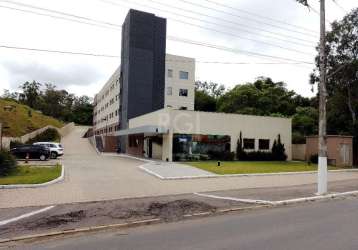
pixel 31 175
pixel 19 121
pixel 238 167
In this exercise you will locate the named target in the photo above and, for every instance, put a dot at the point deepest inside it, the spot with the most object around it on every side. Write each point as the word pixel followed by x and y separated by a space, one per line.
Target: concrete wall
pixel 206 123
pixel 177 64
pixel 299 152
pixel 23 139
pixel 335 145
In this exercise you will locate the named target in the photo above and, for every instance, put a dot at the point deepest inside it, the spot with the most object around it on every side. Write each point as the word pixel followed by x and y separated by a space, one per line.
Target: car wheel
pixel 53 155
pixel 43 157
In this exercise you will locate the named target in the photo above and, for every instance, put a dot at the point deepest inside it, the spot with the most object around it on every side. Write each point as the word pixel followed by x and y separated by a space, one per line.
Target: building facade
pixel 146 108
pixel 177 135
pixel 106 107
pixel 179 82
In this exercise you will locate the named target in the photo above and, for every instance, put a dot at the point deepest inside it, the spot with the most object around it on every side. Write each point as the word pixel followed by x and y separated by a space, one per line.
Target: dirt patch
pixel 168 211
pixel 57 220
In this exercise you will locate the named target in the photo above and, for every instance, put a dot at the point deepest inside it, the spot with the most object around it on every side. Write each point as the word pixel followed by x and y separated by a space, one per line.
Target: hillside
pixel 22 119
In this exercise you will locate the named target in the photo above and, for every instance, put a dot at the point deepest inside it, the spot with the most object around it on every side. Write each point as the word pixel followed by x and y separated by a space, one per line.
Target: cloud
pixel 63 76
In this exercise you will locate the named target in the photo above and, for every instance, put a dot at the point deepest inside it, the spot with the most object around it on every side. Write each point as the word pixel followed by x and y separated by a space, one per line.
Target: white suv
pixel 56 149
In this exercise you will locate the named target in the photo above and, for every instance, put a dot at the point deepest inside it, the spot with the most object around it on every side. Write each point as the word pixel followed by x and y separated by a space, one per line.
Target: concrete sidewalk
pixel 92 177
pixel 171 170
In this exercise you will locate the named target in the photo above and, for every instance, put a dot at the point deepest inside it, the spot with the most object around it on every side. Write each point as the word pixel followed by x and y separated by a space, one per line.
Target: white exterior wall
pixel 177 64
pixel 107 105
pixel 206 123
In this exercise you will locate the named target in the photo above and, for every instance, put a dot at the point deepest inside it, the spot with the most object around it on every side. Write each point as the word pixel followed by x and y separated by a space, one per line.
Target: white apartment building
pixel 179 94
pixel 106 107
pixel 179 82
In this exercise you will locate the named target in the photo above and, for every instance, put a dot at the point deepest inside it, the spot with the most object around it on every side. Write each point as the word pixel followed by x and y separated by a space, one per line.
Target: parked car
pixel 32 151
pixel 56 149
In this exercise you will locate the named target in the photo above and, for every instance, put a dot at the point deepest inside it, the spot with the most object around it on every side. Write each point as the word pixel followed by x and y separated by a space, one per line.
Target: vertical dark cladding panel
pixel 142 67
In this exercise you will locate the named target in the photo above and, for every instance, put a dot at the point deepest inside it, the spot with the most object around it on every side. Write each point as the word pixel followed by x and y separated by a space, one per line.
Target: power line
pixel 219 31
pixel 57 12
pixel 340 7
pixel 247 18
pixel 58 51
pixel 228 21
pixel 56 17
pixel 197 43
pixel 260 16
pixel 188 23
pixel 236 51
pixel 117 56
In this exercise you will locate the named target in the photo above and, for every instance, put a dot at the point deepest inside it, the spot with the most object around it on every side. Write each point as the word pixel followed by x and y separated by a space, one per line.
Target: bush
pixel 314 159
pixel 278 150
pixel 256 156
pixel 7 163
pixel 221 156
pixel 48 135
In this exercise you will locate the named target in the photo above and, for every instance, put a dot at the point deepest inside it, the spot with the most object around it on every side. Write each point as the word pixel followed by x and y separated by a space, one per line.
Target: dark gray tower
pixel 142 66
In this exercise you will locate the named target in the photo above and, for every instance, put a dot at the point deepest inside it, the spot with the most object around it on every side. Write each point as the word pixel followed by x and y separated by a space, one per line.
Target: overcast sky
pixel 85 75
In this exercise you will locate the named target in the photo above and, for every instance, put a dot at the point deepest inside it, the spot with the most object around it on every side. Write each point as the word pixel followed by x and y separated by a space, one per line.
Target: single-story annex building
pixel 175 135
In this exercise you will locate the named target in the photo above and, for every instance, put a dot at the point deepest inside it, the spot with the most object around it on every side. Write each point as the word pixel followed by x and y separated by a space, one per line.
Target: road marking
pixel 5 222
pixel 235 199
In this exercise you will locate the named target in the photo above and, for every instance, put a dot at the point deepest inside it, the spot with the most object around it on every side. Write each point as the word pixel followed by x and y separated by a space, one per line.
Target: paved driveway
pixel 91 177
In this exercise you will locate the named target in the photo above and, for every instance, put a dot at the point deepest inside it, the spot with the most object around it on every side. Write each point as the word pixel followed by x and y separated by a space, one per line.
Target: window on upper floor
pixel 183 108
pixel 183 75
pixel 170 73
pixel 169 91
pixel 183 92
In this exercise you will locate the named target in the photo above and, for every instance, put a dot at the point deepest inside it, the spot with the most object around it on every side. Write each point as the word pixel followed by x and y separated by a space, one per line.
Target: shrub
pixel 278 150
pixel 314 159
pixel 48 135
pixel 7 163
pixel 221 156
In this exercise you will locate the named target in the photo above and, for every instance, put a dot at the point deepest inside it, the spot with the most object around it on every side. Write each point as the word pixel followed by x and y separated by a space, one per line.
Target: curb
pixel 125 225
pixel 142 167
pixel 57 180
pixel 187 216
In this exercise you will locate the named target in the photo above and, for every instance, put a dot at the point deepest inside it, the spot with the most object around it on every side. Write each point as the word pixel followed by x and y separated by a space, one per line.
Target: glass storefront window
pixel 199 147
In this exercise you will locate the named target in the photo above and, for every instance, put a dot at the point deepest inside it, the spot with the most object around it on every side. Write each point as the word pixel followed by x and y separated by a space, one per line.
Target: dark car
pixel 33 151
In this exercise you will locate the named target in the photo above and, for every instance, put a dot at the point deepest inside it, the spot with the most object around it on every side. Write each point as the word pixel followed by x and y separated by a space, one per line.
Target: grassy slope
pixel 254 167
pixel 31 175
pixel 19 121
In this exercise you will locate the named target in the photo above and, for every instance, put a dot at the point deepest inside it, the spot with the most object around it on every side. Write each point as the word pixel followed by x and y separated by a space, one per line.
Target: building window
pixel 183 108
pixel 169 91
pixel 183 92
pixel 184 75
pixel 264 144
pixel 249 143
pixel 170 73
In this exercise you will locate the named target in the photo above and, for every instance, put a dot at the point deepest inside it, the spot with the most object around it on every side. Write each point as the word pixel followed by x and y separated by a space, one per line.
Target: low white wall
pixel 65 130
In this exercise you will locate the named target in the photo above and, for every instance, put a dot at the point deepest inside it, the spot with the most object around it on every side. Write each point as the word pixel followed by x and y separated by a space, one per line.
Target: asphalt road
pixel 321 225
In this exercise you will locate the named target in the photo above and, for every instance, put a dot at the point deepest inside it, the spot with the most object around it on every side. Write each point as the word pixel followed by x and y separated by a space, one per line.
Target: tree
pixel 8 95
pixel 31 93
pixel 263 97
pixel 212 89
pixel 204 102
pixel 342 67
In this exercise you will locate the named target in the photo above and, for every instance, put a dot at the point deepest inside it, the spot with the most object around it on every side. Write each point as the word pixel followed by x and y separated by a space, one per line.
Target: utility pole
pixel 322 143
